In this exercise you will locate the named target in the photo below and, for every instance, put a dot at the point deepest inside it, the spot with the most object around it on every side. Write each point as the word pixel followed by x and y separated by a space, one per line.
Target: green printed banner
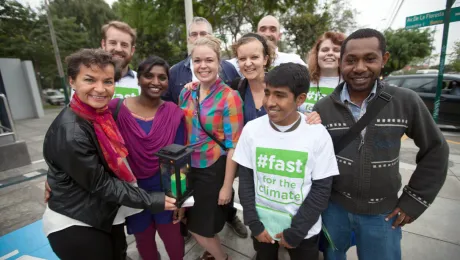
pixel 124 92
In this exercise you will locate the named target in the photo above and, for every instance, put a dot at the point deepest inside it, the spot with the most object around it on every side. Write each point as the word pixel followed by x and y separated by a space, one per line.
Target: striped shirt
pixel 221 113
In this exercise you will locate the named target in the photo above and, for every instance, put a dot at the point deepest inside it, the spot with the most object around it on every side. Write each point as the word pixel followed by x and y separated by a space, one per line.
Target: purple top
pixel 142 145
pixel 142 138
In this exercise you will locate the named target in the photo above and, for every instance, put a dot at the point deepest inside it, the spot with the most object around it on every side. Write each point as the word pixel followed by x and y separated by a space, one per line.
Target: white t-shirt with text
pixel 286 163
pixel 324 87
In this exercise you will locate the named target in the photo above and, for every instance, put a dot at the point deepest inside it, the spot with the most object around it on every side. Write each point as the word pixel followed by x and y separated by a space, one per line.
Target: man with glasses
pixel 182 72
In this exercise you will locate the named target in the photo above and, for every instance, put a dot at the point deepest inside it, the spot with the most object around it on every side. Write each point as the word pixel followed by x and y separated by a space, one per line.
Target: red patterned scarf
pixel 109 138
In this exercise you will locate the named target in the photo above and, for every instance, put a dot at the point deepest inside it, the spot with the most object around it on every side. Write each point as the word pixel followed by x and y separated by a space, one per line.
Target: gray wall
pixel 29 73
pixel 21 88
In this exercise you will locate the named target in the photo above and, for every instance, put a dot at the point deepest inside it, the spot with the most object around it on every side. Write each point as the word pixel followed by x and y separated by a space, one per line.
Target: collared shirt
pixel 357 111
pixel 181 74
pixel 194 78
pixel 125 87
pixel 280 58
pixel 221 113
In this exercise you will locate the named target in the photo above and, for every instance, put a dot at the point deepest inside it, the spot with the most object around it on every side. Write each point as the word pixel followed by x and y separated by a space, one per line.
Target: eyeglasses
pixel 195 34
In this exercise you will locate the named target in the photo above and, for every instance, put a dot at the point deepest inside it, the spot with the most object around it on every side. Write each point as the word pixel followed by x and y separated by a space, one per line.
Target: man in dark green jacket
pixel 364 196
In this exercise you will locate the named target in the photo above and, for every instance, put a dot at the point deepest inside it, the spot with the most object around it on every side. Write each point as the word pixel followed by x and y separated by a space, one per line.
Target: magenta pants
pixel 172 239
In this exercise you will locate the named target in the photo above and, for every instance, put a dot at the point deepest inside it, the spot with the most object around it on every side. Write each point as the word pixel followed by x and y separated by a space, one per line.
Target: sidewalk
pixel 435 235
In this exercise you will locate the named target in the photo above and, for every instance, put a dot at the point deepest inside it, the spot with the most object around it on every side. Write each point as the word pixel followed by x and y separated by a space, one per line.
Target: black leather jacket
pixel 82 185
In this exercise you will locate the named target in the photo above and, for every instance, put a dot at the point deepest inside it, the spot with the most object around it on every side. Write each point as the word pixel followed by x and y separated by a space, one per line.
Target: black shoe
pixel 187 238
pixel 238 227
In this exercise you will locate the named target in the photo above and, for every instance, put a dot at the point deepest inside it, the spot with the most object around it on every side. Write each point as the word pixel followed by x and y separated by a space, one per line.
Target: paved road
pixel 435 235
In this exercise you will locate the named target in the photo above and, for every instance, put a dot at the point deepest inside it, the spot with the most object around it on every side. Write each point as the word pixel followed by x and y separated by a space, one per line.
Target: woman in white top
pixel 323 64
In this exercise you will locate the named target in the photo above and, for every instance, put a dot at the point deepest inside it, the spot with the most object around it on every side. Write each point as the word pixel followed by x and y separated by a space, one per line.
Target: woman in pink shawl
pixel 148 124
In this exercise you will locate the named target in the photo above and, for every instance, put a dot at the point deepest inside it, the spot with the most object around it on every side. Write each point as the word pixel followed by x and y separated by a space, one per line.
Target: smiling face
pixel 270 28
pixel 328 55
pixel 119 44
pixel 94 85
pixel 281 104
pixel 362 63
pixel 154 83
pixel 251 59
pixel 205 64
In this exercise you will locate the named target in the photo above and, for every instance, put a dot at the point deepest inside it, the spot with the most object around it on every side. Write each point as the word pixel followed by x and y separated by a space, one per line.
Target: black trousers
pixel 78 242
pixel 231 209
pixel 307 250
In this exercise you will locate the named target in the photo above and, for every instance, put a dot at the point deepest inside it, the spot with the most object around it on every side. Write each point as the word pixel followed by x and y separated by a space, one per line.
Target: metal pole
pixel 445 35
pixel 188 18
pixel 56 52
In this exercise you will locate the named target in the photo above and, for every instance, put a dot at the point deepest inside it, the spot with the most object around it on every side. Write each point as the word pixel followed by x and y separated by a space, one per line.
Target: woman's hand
pixel 313 118
pixel 191 85
pixel 47 191
pixel 225 195
pixel 169 203
pixel 264 237
pixel 178 215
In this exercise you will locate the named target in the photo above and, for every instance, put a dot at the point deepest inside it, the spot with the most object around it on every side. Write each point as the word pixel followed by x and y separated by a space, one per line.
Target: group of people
pixel 261 116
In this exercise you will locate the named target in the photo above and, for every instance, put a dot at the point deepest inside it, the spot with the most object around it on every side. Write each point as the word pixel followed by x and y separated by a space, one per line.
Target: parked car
pixel 54 97
pixel 425 85
pixel 427 71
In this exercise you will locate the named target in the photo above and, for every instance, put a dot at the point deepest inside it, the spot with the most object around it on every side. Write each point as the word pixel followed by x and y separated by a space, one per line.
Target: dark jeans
pixel 375 238
pixel 307 250
pixel 77 242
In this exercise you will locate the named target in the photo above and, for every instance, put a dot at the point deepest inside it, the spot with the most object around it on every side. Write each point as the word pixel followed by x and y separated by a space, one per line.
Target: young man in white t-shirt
pixel 285 169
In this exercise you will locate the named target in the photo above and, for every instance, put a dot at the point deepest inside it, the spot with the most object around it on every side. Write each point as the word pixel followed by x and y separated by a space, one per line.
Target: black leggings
pixel 78 242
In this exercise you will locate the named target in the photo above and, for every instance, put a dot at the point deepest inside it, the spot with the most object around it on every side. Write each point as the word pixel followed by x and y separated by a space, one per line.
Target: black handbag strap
pixel 201 124
pixel 240 85
pixel 117 109
pixel 371 112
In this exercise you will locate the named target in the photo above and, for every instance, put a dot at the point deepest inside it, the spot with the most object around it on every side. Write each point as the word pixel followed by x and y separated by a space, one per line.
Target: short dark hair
pixel 88 58
pixel 365 33
pixel 147 64
pixel 292 75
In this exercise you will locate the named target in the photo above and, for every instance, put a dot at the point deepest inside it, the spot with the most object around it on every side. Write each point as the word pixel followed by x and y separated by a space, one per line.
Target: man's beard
pixel 123 61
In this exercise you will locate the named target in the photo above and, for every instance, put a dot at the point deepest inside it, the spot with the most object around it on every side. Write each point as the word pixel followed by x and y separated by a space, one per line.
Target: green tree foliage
pixel 160 27
pixel 232 18
pixel 16 24
pixel 307 20
pixel 90 16
pixel 25 35
pixel 406 45
pixel 455 63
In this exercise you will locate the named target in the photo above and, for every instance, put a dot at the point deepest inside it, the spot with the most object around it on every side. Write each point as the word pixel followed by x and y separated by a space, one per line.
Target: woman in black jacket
pixel 88 172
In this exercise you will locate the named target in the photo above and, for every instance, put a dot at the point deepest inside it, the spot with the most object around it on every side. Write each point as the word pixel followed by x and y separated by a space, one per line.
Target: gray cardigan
pixel 369 178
